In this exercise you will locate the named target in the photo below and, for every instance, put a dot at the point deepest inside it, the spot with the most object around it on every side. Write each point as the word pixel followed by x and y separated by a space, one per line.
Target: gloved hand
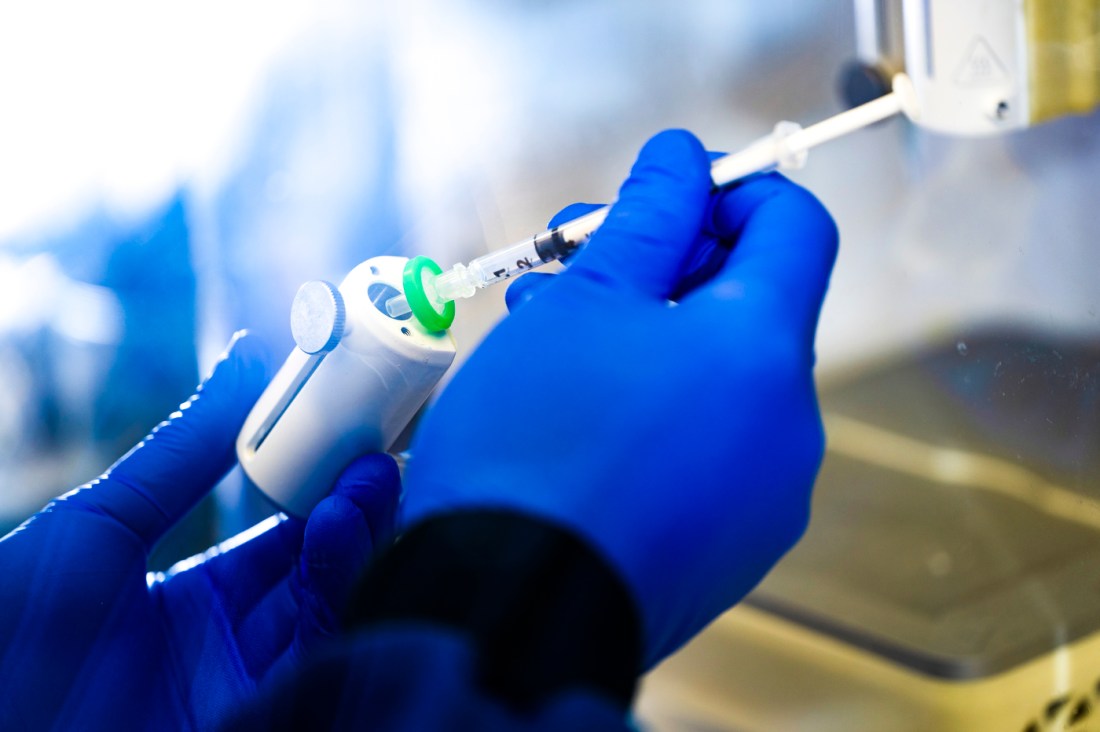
pixel 681 441
pixel 89 641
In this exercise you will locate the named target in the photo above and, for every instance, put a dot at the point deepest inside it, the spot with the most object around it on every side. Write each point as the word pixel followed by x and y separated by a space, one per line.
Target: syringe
pixel 430 293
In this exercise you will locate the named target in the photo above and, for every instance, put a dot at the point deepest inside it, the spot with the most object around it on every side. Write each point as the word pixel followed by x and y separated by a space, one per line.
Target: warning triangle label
pixel 980 66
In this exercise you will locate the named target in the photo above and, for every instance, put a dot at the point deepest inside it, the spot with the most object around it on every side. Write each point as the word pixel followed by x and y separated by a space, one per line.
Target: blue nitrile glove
pixel 681 441
pixel 88 641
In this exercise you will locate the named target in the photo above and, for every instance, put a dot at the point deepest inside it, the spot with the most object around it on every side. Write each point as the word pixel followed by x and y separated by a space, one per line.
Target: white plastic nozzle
pixel 397 306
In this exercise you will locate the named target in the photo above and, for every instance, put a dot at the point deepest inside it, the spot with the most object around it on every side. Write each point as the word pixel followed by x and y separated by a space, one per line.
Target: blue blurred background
pixel 171 172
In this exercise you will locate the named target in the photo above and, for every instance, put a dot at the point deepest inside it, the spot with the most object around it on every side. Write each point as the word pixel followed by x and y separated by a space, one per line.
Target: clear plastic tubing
pixel 786 148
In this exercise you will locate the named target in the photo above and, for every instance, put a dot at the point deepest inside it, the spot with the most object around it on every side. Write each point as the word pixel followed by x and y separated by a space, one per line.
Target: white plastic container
pixel 351 386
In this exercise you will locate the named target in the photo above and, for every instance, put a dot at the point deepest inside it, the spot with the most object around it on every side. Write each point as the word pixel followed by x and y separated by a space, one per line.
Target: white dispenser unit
pixel 350 387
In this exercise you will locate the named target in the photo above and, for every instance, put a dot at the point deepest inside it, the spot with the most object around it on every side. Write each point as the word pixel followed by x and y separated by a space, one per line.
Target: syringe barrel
pixel 505 263
pixel 549 246
pixel 577 231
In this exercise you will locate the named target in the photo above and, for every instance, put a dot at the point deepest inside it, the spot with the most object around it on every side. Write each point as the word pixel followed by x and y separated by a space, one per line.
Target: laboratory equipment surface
pixel 948 578
pixel 352 384
pixel 981 67
pixel 429 293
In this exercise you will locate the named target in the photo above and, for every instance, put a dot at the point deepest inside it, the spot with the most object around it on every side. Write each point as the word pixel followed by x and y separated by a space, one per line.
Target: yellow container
pixel 1064 50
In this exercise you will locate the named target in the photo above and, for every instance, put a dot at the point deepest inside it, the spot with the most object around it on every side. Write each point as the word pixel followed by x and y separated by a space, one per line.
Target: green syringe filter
pixel 432 318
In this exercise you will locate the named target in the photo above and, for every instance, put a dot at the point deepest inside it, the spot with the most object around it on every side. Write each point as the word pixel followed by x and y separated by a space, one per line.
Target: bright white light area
pixel 456 81
pixel 114 102
pixel 37 293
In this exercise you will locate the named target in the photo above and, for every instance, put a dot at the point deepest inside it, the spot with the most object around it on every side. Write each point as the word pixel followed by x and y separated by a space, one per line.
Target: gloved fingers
pixel 284 582
pixel 334 542
pixel 709 253
pixel 529 285
pixel 337 546
pixel 245 567
pixel 373 484
pixel 785 246
pixel 525 288
pixel 652 227
pixel 567 214
pixel 341 534
pixel 159 480
pixel 707 258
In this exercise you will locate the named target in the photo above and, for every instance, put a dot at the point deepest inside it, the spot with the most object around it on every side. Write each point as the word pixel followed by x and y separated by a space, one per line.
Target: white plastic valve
pixel 970 63
pixel 351 386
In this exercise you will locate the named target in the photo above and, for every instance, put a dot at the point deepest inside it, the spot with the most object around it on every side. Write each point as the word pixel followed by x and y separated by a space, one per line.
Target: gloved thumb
pixel 786 246
pixel 653 226
pixel 158 481
pixel 529 285
pixel 526 288
pixel 343 532
pixel 572 211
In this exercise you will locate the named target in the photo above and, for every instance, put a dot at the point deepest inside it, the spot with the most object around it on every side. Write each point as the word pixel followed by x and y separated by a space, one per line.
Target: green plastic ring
pixel 413 281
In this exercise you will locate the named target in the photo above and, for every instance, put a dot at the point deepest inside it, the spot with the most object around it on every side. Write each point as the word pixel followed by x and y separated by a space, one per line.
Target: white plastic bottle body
pixel 968 60
pixel 322 411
